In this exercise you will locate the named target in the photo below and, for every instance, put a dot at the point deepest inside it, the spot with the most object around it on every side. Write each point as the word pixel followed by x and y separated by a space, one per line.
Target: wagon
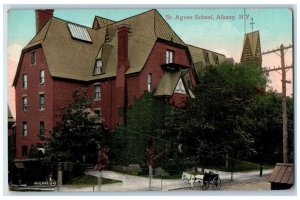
pixel 212 179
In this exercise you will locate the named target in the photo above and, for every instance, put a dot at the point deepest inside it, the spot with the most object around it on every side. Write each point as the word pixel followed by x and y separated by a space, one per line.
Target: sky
pixel 216 33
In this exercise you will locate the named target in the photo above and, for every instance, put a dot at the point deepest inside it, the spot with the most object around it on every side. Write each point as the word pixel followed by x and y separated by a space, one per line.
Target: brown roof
pixel 198 58
pixel 283 173
pixel 100 22
pixel 75 59
pixel 168 82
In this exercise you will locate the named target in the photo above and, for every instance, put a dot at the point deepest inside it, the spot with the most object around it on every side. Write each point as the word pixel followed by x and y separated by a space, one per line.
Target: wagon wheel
pixel 216 183
pixel 205 185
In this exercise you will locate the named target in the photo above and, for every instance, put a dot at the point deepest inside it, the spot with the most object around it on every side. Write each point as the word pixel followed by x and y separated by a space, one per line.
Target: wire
pixel 163 139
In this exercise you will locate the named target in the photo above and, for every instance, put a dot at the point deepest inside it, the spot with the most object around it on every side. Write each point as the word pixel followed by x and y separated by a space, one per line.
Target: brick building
pixel 115 61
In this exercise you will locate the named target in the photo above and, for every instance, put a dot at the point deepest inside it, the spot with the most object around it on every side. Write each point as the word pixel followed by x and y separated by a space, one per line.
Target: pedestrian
pixel 102 160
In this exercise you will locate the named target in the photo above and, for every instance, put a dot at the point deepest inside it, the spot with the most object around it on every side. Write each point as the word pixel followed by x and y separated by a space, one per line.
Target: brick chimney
pixel 42 17
pixel 122 67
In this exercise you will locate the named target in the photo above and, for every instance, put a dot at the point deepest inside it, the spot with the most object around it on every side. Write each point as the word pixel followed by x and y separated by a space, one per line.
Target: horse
pixel 192 179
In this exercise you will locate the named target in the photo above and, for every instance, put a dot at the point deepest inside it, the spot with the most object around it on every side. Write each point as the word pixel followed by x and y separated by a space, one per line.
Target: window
pixel 97 93
pixel 42 129
pixel 98 112
pixel 33 57
pixel 79 32
pixel 24 102
pixel 216 58
pixel 149 82
pixel 24 81
pixel 180 87
pixel 42 77
pixel 98 67
pixel 24 151
pixel 206 57
pixel 42 101
pixel 169 56
pixel 24 128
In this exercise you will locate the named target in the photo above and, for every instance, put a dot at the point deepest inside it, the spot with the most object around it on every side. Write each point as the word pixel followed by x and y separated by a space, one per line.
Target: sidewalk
pixel 137 183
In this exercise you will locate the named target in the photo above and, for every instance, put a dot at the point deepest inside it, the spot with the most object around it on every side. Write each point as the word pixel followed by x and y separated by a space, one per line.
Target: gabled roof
pixel 100 22
pixel 168 82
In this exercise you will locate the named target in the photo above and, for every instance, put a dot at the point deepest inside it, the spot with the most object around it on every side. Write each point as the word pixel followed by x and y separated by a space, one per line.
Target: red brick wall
pixel 58 93
pixel 63 95
pixel 179 100
pixel 138 84
pixel 33 115
pixel 106 103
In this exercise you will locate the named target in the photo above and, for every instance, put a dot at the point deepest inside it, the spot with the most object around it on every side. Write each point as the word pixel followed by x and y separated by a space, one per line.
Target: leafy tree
pixel 213 123
pixel 265 124
pixel 144 117
pixel 79 134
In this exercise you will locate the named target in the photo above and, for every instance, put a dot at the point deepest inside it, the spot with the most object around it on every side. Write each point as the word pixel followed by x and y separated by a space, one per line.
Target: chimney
pixel 123 31
pixel 122 67
pixel 123 61
pixel 42 17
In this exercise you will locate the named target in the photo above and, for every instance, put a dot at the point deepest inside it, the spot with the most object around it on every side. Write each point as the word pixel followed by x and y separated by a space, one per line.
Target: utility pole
pixel 283 69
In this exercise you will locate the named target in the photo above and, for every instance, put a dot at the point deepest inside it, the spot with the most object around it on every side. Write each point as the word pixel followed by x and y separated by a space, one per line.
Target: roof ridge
pixel 104 18
pixel 67 21
pixel 171 29
pixel 130 17
pixel 47 24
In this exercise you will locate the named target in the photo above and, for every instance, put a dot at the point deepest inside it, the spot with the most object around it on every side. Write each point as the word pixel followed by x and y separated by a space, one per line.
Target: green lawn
pixel 242 166
pixel 89 180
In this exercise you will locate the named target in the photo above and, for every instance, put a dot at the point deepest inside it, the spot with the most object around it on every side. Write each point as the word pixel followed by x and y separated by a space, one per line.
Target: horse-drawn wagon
pixel 206 180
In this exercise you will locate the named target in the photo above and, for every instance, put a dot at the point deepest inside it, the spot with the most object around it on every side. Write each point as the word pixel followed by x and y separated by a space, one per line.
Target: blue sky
pixel 274 24
pixel 223 36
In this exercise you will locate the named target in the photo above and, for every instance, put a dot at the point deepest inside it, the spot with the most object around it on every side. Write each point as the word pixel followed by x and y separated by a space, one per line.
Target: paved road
pixel 136 183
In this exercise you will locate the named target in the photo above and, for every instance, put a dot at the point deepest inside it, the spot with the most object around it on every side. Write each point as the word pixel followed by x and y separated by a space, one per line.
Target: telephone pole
pixel 283 69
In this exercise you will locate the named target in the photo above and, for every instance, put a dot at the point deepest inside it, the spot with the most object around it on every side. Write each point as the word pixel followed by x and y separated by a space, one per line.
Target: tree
pixel 79 134
pixel 265 124
pixel 143 118
pixel 213 123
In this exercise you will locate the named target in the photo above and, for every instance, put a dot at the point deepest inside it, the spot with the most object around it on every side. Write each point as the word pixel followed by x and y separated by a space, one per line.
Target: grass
pixel 242 167
pixel 89 180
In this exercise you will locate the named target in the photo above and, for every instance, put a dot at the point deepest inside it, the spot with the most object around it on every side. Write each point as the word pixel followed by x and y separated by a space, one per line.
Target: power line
pixel 282 49
pixel 187 146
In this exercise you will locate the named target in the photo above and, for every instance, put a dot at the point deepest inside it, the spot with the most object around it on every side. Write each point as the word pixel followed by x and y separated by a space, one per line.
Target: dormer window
pixel 206 57
pixel 169 56
pixel 216 57
pixel 98 67
pixel 33 57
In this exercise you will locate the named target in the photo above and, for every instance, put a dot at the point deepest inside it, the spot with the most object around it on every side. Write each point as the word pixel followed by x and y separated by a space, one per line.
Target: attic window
pixel 79 32
pixel 206 56
pixel 216 57
pixel 33 58
pixel 98 67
